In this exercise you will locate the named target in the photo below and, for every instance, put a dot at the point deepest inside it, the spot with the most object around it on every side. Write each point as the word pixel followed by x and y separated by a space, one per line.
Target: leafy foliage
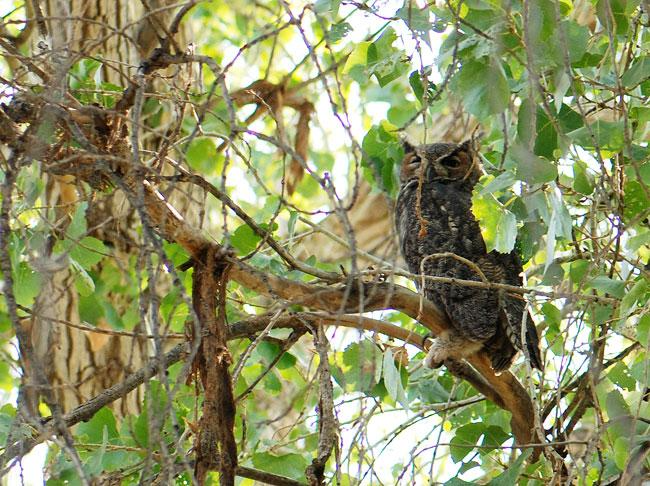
pixel 560 92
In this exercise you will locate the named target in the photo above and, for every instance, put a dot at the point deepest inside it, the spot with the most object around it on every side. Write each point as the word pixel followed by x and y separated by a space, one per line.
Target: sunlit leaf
pixel 393 379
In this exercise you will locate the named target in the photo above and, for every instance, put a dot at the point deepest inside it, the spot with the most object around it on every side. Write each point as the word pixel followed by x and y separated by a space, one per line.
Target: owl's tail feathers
pixel 501 363
pixel 532 345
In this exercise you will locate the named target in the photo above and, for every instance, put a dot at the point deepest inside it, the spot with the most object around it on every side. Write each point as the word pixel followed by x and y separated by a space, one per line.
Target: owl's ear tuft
pixel 407 146
pixel 469 145
pixel 474 142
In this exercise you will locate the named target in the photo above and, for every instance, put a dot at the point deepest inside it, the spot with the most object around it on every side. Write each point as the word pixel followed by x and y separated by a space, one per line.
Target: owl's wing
pixel 471 310
pixel 506 268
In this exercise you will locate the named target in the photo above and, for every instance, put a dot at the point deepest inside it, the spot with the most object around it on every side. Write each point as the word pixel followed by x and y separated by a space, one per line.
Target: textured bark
pixel 215 445
pixel 79 364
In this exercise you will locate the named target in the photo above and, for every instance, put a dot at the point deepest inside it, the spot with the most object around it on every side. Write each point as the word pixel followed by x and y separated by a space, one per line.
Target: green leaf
pixel 553 335
pixel 640 113
pixel 269 351
pixel 643 330
pixel 498 224
pixel 176 253
pixel 608 285
pixel 543 133
pixel 384 61
pixel 493 436
pixel 616 405
pixel 289 465
pixel 530 168
pixel 458 482
pixel 338 31
pixel 485 209
pixel 272 383
pixel 489 96
pixel 500 182
pixel 93 463
pixel 327 6
pixel 560 220
pixel 362 363
pixel 621 452
pixel 577 37
pixel 402 113
pixel 582 181
pixel 638 72
pixel 542 31
pixel 415 81
pixel 620 375
pixel 202 156
pixel 552 315
pixel 465 439
pixel 382 153
pixel 27 284
pixel 287 361
pixel 88 252
pixel 428 390
pixel 84 282
pixel 355 66
pixel 577 270
pixel 417 19
pixel 8 424
pixel 77 227
pixel 94 428
pixel 604 134
pixel 291 225
pixel 638 293
pixel 506 231
pixel 636 201
pixel 244 239
pixel 393 379
pixel 510 475
pixel 613 13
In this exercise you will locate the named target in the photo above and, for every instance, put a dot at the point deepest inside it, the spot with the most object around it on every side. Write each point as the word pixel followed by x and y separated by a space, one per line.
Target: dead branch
pixel 216 438
pixel 273 98
pixel 327 426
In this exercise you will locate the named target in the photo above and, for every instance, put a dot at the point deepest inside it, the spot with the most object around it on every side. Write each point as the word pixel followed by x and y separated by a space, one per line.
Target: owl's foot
pixel 437 354
pixel 449 345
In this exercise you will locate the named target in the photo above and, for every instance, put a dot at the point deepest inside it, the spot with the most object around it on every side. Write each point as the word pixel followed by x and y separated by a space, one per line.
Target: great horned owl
pixel 434 216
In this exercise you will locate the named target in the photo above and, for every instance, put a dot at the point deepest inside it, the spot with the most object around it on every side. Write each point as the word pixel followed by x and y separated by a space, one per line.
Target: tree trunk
pixel 80 364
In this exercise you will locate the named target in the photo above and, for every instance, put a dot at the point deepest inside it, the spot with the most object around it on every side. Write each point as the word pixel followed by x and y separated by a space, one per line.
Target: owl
pixel 434 220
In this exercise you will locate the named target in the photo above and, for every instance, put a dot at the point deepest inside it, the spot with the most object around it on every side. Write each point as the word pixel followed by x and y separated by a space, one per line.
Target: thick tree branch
pixel 504 390
pixel 245 328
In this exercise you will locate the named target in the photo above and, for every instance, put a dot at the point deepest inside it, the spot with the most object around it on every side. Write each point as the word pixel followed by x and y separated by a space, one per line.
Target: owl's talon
pixel 436 355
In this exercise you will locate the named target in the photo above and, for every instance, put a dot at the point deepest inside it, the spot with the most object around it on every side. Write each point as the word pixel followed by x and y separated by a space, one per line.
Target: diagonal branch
pixel 246 328
pixel 504 390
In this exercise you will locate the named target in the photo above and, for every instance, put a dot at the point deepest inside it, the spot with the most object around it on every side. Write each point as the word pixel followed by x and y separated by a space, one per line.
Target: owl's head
pixel 443 162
